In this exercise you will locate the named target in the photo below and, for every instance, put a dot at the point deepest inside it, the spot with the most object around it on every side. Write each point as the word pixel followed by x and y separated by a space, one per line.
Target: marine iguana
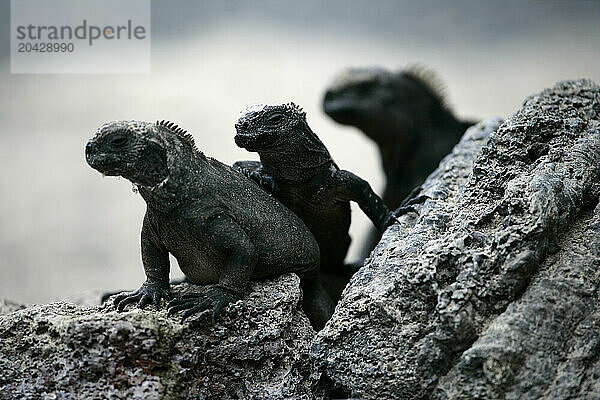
pixel 407 117
pixel 296 167
pixel 220 227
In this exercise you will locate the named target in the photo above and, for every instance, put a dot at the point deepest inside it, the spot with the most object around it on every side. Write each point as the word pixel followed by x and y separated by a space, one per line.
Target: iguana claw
pixel 403 210
pixel 264 181
pixel 414 197
pixel 254 173
pixel 150 292
pixel 407 204
pixel 215 298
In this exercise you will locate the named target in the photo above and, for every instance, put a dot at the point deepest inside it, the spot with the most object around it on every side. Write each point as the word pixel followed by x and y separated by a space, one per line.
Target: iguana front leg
pixel 254 171
pixel 230 240
pixel 155 259
pixel 351 187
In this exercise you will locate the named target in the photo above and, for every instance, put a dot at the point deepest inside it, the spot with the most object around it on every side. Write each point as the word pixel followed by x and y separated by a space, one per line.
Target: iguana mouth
pixel 252 141
pixel 104 165
pixel 340 110
pixel 248 135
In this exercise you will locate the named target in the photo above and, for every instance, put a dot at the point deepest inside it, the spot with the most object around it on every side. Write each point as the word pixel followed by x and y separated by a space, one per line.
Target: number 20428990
pixel 46 47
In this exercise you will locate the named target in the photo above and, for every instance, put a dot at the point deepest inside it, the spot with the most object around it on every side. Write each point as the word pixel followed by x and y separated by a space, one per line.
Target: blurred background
pixel 64 229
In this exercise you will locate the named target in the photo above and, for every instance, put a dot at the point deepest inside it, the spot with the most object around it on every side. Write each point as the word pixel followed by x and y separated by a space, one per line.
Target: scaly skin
pixel 405 115
pixel 221 228
pixel 297 169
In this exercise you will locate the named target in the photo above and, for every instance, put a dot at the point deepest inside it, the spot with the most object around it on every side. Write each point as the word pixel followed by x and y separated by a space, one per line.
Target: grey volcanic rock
pixel 491 291
pixel 258 349
pixel 547 343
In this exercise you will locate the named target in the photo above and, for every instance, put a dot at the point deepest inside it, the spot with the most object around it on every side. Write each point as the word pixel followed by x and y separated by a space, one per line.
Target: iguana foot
pixel 253 171
pixel 266 182
pixel 215 298
pixel 108 295
pixel 150 292
pixel 414 198
pixel 403 210
pixel 407 204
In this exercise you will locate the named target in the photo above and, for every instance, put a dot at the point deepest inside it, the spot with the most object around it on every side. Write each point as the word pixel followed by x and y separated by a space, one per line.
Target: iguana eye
pixel 118 141
pixel 275 119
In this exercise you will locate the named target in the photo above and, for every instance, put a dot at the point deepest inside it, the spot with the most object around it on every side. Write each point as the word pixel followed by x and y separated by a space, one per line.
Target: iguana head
pixel 268 127
pixel 137 151
pixel 378 101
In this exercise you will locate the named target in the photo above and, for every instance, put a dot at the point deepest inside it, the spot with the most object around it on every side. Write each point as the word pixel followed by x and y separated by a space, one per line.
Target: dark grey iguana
pixel 297 169
pixel 405 114
pixel 220 227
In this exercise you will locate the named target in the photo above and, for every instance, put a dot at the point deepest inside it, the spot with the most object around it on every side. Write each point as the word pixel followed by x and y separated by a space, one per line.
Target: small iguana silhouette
pixel 406 115
pixel 295 166
pixel 221 228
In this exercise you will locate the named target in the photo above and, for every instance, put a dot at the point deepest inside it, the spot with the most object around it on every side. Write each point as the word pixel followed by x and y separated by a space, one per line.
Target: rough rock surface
pixel 258 349
pixel 492 290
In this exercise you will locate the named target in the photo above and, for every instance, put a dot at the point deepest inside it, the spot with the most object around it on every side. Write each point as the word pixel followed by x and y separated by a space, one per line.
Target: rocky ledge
pixel 257 350
pixel 489 291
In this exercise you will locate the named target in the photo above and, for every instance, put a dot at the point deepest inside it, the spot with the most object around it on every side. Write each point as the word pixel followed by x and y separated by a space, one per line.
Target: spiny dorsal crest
pixel 429 79
pixel 180 132
pixel 296 108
